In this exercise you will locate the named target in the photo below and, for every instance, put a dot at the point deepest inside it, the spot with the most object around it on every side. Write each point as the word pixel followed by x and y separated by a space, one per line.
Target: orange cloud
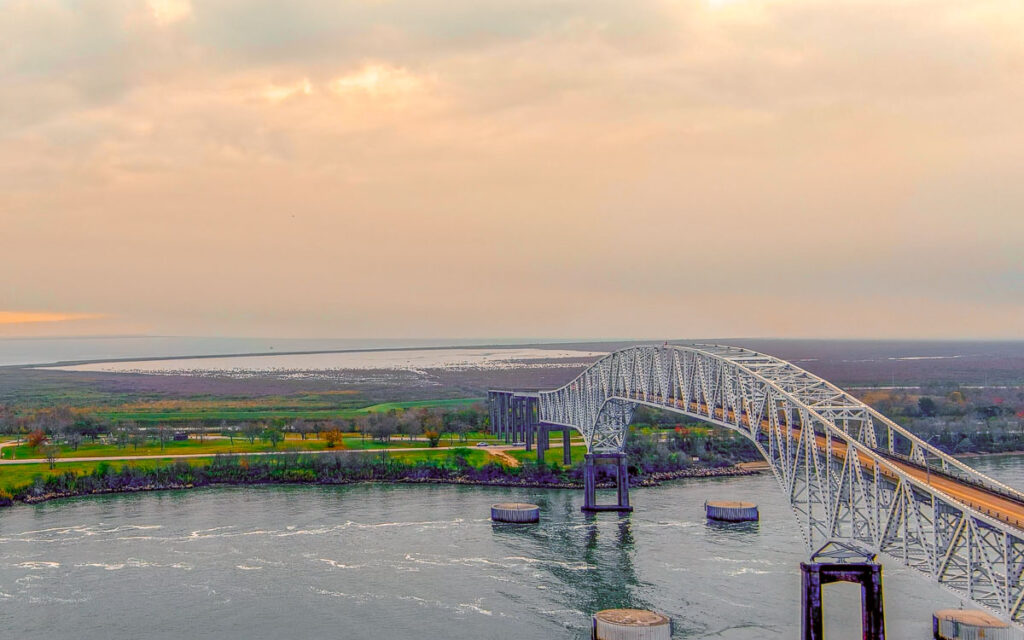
pixel 33 317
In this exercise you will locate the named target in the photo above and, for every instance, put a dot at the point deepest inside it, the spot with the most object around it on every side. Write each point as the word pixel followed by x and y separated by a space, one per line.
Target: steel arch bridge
pixel 851 474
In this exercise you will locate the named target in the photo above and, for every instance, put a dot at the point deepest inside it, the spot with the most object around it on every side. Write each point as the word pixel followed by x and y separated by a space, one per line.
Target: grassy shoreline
pixel 457 466
pixel 696 473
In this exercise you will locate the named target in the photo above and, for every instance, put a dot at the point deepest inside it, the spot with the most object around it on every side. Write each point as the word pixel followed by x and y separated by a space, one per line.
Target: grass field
pixel 321 406
pixel 16 475
pixel 210 446
pixel 551 456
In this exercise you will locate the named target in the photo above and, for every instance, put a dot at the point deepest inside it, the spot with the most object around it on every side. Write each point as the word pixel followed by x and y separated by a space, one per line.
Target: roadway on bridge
pixel 977 498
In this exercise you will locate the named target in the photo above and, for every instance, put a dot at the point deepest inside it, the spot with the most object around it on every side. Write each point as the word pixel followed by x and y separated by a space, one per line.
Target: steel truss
pixel 843 465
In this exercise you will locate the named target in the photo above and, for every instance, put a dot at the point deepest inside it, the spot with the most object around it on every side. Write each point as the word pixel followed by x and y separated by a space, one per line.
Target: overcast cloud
pixel 549 169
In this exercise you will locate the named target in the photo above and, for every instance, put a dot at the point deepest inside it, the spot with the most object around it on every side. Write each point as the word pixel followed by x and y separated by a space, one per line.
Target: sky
pixel 548 168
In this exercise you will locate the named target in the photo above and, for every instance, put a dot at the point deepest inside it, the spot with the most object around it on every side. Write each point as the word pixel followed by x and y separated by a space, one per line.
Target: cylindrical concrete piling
pixel 727 511
pixel 518 512
pixel 631 624
pixel 960 624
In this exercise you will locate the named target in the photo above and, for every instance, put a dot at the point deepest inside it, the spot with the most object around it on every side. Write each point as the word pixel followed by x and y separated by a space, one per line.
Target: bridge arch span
pixel 851 474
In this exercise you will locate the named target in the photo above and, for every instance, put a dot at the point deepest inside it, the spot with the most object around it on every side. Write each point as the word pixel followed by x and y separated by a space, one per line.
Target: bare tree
pixel 137 437
pixel 252 430
pixel 382 426
pixel 410 424
pixel 199 429
pixel 162 431
pixel 302 428
pixel 50 450
pixel 462 428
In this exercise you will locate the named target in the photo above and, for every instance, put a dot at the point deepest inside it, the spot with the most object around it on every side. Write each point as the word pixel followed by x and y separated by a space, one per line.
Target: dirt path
pixel 503 454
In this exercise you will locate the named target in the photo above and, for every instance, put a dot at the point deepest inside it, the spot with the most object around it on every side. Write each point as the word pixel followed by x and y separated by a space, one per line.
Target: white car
pixel 482 444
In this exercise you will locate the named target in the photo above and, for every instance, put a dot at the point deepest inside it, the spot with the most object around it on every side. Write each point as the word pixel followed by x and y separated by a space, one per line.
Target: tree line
pixel 46 429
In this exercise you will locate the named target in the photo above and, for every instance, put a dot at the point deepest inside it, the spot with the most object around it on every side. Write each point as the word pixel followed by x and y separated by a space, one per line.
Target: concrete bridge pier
pixel 867 574
pixel 590 464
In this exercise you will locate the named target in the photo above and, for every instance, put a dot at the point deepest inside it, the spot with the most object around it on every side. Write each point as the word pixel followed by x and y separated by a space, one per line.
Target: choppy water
pixel 418 562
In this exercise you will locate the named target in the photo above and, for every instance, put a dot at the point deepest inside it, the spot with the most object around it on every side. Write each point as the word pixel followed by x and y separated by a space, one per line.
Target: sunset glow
pixel 35 317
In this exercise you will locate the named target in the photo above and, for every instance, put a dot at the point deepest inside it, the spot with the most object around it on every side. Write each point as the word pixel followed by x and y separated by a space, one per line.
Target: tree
pixel 927 406
pixel 50 451
pixel 137 437
pixel 302 428
pixel 382 426
pixel 8 420
pixel 273 435
pixel 199 429
pixel 433 426
pixel 410 424
pixel 462 428
pixel 89 426
pixel 74 439
pixel 36 438
pixel 122 434
pixel 252 430
pixel 433 437
pixel 334 439
pixel 162 431
pixel 55 419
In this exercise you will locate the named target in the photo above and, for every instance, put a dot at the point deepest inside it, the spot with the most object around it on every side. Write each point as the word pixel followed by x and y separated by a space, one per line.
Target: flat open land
pixel 409 377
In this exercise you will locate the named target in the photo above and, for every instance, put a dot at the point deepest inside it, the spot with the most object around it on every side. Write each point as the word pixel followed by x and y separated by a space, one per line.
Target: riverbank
pixel 290 470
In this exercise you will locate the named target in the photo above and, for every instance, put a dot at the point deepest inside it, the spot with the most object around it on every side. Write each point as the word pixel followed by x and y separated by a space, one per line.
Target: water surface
pixel 411 360
pixel 373 561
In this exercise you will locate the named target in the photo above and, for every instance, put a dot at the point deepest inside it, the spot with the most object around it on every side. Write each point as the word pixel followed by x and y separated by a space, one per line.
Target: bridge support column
pixel 566 451
pixel 867 574
pixel 590 464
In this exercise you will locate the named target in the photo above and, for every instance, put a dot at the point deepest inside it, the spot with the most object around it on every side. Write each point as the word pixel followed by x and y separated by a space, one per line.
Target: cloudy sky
pixel 468 168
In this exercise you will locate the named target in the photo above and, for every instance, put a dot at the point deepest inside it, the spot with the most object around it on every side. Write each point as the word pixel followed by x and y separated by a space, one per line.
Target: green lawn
pixel 16 475
pixel 211 446
pixel 553 455
pixel 475 457
pixel 313 410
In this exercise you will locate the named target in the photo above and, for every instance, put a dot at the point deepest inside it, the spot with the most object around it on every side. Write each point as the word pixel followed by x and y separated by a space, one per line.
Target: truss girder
pixel 825 449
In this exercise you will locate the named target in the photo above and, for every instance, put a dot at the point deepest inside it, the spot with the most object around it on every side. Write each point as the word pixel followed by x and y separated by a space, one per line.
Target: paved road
pixel 978 498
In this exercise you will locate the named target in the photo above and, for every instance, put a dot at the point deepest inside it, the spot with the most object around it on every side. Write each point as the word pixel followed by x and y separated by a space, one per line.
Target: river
pixel 380 561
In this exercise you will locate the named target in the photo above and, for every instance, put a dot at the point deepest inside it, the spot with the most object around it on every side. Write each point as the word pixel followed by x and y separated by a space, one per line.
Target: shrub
pixel 333 438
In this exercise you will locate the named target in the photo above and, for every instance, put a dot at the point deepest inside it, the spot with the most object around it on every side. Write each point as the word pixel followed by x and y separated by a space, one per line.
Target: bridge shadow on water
pixel 596 554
